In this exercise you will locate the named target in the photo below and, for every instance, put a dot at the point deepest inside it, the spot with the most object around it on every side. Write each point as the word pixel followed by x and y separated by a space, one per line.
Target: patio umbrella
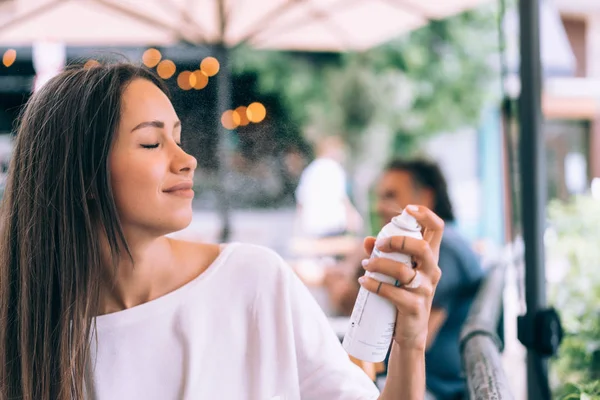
pixel 307 25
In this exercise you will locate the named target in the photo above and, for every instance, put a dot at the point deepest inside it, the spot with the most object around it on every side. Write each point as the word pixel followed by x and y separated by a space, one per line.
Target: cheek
pixel 403 200
pixel 134 182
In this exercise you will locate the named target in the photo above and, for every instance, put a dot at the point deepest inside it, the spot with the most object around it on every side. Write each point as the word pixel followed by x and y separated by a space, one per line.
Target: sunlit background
pixel 258 83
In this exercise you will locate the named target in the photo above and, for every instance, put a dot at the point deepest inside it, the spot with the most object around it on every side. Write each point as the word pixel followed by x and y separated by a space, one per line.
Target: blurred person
pixel 323 206
pixel 97 303
pixel 422 182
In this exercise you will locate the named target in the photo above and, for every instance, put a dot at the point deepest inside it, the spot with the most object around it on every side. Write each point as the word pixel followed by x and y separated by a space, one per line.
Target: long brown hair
pixel 57 209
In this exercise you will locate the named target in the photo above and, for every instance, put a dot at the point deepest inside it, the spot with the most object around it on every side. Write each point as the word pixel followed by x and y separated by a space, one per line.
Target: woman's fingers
pixel 418 248
pixel 405 245
pixel 410 302
pixel 425 251
pixel 369 244
pixel 400 271
pixel 433 226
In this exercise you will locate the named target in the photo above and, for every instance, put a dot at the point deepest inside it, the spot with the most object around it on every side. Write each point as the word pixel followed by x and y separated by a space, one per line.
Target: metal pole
pixel 223 104
pixel 533 188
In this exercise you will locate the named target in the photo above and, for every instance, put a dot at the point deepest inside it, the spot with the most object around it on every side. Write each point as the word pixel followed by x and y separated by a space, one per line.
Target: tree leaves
pixel 574 289
pixel 435 79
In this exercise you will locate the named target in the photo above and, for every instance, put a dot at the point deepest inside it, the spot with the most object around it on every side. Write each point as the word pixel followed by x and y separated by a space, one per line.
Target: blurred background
pixel 260 86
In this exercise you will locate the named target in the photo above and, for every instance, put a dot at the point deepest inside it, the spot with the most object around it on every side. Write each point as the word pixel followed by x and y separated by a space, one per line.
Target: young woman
pixel 97 303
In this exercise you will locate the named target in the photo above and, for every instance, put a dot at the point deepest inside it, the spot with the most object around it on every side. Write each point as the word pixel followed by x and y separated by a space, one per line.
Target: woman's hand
pixel 414 305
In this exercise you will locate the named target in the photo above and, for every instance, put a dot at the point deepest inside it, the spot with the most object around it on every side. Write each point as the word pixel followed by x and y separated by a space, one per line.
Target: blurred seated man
pixel 421 182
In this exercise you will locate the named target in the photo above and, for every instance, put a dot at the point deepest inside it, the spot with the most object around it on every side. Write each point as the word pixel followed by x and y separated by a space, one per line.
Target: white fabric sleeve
pixel 325 370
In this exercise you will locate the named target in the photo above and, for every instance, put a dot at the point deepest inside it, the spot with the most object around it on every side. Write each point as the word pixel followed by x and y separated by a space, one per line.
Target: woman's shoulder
pixel 234 258
pixel 253 259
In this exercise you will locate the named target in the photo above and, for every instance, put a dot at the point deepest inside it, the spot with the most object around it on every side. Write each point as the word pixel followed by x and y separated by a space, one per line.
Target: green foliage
pixel 448 72
pixel 571 391
pixel 435 79
pixel 297 80
pixel 573 250
pixel 350 104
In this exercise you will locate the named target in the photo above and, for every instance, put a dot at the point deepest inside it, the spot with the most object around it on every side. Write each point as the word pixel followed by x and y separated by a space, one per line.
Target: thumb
pixel 369 244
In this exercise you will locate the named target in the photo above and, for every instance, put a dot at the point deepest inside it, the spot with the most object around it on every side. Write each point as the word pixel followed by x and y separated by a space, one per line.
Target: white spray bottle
pixel 374 318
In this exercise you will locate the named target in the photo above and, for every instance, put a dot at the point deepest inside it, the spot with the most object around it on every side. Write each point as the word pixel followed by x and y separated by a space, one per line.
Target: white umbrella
pixel 313 25
pixel 308 25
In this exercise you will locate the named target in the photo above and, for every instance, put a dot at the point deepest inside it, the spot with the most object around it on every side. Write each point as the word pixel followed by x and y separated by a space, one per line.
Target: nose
pixel 184 162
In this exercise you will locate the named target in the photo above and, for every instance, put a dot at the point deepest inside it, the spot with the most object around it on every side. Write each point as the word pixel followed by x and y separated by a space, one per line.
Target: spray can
pixel 374 318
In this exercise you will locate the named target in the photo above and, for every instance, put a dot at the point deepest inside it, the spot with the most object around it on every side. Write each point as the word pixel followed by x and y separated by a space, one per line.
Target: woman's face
pixel 151 175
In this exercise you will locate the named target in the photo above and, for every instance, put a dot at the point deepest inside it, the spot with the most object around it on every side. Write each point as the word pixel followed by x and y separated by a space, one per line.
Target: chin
pixel 176 223
pixel 182 222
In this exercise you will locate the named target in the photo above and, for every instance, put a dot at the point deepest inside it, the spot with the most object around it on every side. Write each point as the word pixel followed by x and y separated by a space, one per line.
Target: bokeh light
pixel 184 80
pixel 230 119
pixel 91 64
pixel 166 69
pixel 151 58
pixel 199 80
pixel 256 112
pixel 210 66
pixel 241 111
pixel 9 57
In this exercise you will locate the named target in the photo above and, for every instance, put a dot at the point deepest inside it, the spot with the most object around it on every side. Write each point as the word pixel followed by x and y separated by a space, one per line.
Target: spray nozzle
pixel 407 221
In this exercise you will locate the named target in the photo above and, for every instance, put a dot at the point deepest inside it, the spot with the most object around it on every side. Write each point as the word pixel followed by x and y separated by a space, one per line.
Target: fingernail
pixel 379 242
pixel 365 262
pixel 412 208
pixel 361 280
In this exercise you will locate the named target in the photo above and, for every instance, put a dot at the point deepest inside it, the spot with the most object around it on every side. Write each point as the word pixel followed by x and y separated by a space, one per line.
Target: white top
pixel 246 328
pixel 322 195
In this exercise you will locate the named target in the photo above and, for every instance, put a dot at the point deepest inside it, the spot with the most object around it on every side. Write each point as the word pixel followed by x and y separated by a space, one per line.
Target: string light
pixel 184 80
pixel 242 112
pixel 210 66
pixel 151 58
pixel 256 112
pixel 91 64
pixel 200 80
pixel 166 69
pixel 9 57
pixel 230 119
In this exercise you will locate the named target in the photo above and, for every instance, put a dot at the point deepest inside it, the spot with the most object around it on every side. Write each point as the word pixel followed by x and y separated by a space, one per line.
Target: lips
pixel 180 186
pixel 182 189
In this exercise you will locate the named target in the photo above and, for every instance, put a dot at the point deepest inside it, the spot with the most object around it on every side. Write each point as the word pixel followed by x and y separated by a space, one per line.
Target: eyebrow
pixel 154 124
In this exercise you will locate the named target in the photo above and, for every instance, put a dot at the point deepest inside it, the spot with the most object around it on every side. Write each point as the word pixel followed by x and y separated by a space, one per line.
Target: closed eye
pixel 150 146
